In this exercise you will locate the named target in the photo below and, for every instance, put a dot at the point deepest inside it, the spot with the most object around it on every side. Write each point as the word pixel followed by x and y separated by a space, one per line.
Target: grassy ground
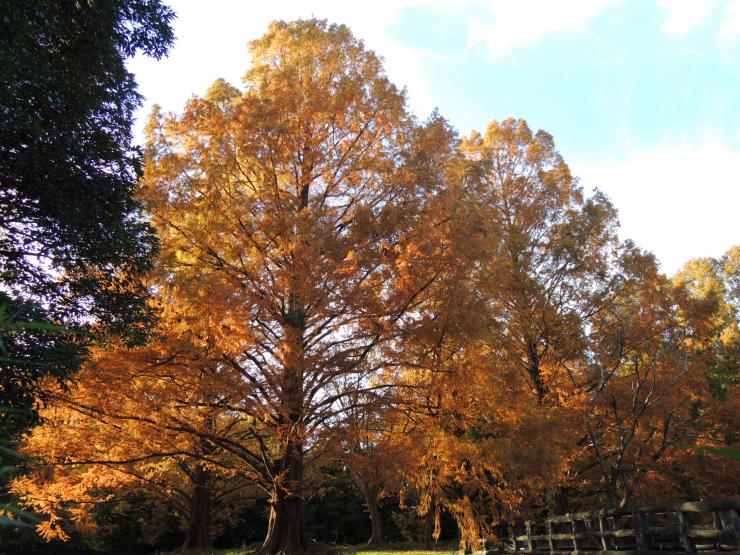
pixel 391 549
pixel 398 549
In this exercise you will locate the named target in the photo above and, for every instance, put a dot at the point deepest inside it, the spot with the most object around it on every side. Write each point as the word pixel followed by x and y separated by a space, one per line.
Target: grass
pixel 389 549
pixel 398 549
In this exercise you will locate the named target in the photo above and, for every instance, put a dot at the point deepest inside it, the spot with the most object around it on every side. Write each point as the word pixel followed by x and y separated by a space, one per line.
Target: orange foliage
pixel 456 315
pixel 136 419
pixel 296 230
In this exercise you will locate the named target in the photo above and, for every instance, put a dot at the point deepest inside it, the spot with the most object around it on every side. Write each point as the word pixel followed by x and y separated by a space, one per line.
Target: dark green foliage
pixel 337 514
pixel 73 241
pixel 125 526
pixel 411 525
pixel 21 521
pixel 247 527
pixel 25 541
pixel 20 526
pixel 71 235
pixel 30 349
pixel 134 523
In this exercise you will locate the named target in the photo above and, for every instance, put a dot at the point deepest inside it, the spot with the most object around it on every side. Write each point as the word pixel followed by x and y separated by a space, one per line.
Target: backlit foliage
pixel 452 319
pixel 137 420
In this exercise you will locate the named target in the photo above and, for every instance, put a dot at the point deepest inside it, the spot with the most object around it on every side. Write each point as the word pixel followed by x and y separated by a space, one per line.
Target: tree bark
pixel 373 507
pixel 286 528
pixel 198 538
pixel 429 518
pixel 561 501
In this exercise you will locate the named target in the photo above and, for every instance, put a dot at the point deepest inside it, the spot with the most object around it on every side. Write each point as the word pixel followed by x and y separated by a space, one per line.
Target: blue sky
pixel 642 96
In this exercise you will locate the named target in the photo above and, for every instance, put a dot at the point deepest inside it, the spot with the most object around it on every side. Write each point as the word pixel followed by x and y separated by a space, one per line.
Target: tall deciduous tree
pixel 556 335
pixel 292 220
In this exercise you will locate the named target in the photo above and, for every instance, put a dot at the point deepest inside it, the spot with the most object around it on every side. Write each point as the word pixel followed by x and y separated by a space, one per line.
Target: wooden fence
pixel 696 527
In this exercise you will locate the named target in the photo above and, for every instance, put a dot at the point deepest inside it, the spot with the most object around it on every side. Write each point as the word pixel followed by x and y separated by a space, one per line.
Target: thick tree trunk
pixel 285 533
pixel 198 538
pixel 286 530
pixel 373 507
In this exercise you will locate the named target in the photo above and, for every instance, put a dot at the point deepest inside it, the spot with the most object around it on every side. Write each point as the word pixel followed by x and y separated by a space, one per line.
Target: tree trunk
pixel 286 530
pixel 429 526
pixel 285 533
pixel 373 507
pixel 606 474
pixel 198 538
pixel 561 501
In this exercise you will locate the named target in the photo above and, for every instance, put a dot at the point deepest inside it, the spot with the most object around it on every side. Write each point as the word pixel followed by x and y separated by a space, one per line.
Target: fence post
pixel 573 531
pixel 549 535
pixel 640 529
pixel 613 532
pixel 682 523
pixel 604 542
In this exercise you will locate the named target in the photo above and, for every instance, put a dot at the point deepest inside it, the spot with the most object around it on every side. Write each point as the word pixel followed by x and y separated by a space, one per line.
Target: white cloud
pixel 506 25
pixel 729 30
pixel 685 15
pixel 212 38
pixel 678 200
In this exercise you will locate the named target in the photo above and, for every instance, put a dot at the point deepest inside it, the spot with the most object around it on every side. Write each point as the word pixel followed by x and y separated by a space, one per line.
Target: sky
pixel 641 96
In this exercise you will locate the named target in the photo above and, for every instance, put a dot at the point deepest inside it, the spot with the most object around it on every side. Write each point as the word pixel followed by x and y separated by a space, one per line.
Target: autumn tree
pixel 547 249
pixel 372 449
pixel 541 261
pixel 718 281
pixel 556 334
pixel 690 466
pixel 478 435
pixel 138 419
pixel 291 217
pixel 639 379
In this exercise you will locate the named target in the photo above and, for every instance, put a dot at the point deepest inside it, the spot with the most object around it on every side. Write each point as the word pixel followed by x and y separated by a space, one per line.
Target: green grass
pixel 398 549
pixel 388 549
pixel 382 551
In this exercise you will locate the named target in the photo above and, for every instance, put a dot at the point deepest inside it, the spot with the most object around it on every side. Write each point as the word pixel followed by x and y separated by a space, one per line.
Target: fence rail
pixel 693 527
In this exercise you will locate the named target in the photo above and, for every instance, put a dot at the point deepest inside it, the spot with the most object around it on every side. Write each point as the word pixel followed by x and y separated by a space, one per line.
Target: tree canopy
pixel 451 323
